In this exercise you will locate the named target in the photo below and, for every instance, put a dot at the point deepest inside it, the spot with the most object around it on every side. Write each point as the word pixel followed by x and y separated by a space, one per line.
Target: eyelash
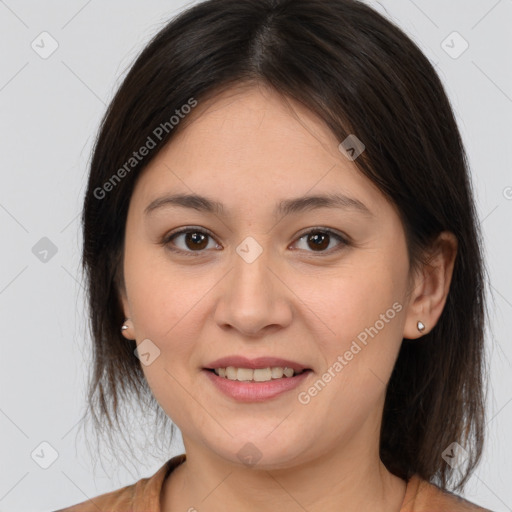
pixel 168 238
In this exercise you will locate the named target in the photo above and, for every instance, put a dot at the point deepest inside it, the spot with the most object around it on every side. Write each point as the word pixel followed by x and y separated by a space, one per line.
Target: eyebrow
pixel 285 207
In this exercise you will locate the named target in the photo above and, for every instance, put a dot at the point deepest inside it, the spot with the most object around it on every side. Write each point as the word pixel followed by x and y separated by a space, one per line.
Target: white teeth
pixel 257 375
pixel 277 373
pixel 244 374
pixel 288 372
pixel 261 375
pixel 231 372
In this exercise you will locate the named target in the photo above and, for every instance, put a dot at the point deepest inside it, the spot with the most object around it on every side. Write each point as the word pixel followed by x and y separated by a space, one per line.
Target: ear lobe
pixel 127 329
pixel 431 286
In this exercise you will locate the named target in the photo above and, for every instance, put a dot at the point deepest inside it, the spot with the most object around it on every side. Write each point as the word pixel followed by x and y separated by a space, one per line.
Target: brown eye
pixel 195 240
pixel 319 240
pixel 189 241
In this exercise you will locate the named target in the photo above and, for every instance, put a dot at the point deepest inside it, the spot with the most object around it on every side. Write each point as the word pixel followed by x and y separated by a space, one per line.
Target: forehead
pixel 252 143
pixel 255 114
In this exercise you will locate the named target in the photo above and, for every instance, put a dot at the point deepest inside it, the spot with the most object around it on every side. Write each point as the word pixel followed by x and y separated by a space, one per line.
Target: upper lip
pixel 258 362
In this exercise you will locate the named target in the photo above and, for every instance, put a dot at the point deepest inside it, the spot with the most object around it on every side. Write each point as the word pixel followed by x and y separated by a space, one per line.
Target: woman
pixel 282 254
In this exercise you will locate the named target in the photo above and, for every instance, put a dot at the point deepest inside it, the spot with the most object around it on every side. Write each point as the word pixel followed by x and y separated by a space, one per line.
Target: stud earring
pixel 125 326
pixel 421 326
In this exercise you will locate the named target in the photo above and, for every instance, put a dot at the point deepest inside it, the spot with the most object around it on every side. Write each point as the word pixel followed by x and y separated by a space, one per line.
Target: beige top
pixel 144 496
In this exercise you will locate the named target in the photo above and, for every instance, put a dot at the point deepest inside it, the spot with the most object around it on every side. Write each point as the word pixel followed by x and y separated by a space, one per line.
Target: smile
pixel 256 374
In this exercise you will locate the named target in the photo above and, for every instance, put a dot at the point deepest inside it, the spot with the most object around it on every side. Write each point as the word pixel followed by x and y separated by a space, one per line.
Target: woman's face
pixel 256 281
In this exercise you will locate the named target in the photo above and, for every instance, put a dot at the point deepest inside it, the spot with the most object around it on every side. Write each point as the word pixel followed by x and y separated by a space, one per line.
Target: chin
pixel 261 452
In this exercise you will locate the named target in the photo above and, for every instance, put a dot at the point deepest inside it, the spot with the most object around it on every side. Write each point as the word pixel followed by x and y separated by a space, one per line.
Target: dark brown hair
pixel 362 75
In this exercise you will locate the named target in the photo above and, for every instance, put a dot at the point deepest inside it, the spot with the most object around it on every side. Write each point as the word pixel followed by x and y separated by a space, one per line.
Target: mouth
pixel 261 369
pixel 255 380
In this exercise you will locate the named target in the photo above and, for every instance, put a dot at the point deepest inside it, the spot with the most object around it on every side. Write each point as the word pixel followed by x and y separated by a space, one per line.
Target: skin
pixel 249 149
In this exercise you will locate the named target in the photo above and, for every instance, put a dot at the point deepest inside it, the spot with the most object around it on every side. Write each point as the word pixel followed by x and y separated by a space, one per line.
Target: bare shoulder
pixel 423 496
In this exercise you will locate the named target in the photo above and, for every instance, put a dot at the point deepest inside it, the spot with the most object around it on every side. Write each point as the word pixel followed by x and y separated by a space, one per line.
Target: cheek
pixel 352 300
pixel 167 305
pixel 156 294
pixel 162 309
pixel 375 319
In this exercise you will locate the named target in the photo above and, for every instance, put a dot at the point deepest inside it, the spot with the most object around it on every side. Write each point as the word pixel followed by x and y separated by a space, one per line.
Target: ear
pixel 430 286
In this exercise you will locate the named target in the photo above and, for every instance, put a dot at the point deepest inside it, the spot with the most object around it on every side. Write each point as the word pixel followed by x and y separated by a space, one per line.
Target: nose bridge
pixel 250 283
pixel 251 269
pixel 252 298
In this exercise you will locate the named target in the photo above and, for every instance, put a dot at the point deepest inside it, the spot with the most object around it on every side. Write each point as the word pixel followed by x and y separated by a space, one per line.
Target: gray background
pixel 50 111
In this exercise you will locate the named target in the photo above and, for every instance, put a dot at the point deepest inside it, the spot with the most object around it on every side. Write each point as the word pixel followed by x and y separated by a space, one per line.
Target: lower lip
pixel 245 391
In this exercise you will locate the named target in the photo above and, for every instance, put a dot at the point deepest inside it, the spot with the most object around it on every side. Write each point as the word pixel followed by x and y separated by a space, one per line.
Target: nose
pixel 253 298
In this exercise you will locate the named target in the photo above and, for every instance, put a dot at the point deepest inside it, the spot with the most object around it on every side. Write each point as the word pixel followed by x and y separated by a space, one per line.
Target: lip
pixel 244 391
pixel 259 362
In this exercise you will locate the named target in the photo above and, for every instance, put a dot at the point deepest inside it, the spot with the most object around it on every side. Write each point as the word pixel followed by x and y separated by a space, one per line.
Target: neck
pixel 353 476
